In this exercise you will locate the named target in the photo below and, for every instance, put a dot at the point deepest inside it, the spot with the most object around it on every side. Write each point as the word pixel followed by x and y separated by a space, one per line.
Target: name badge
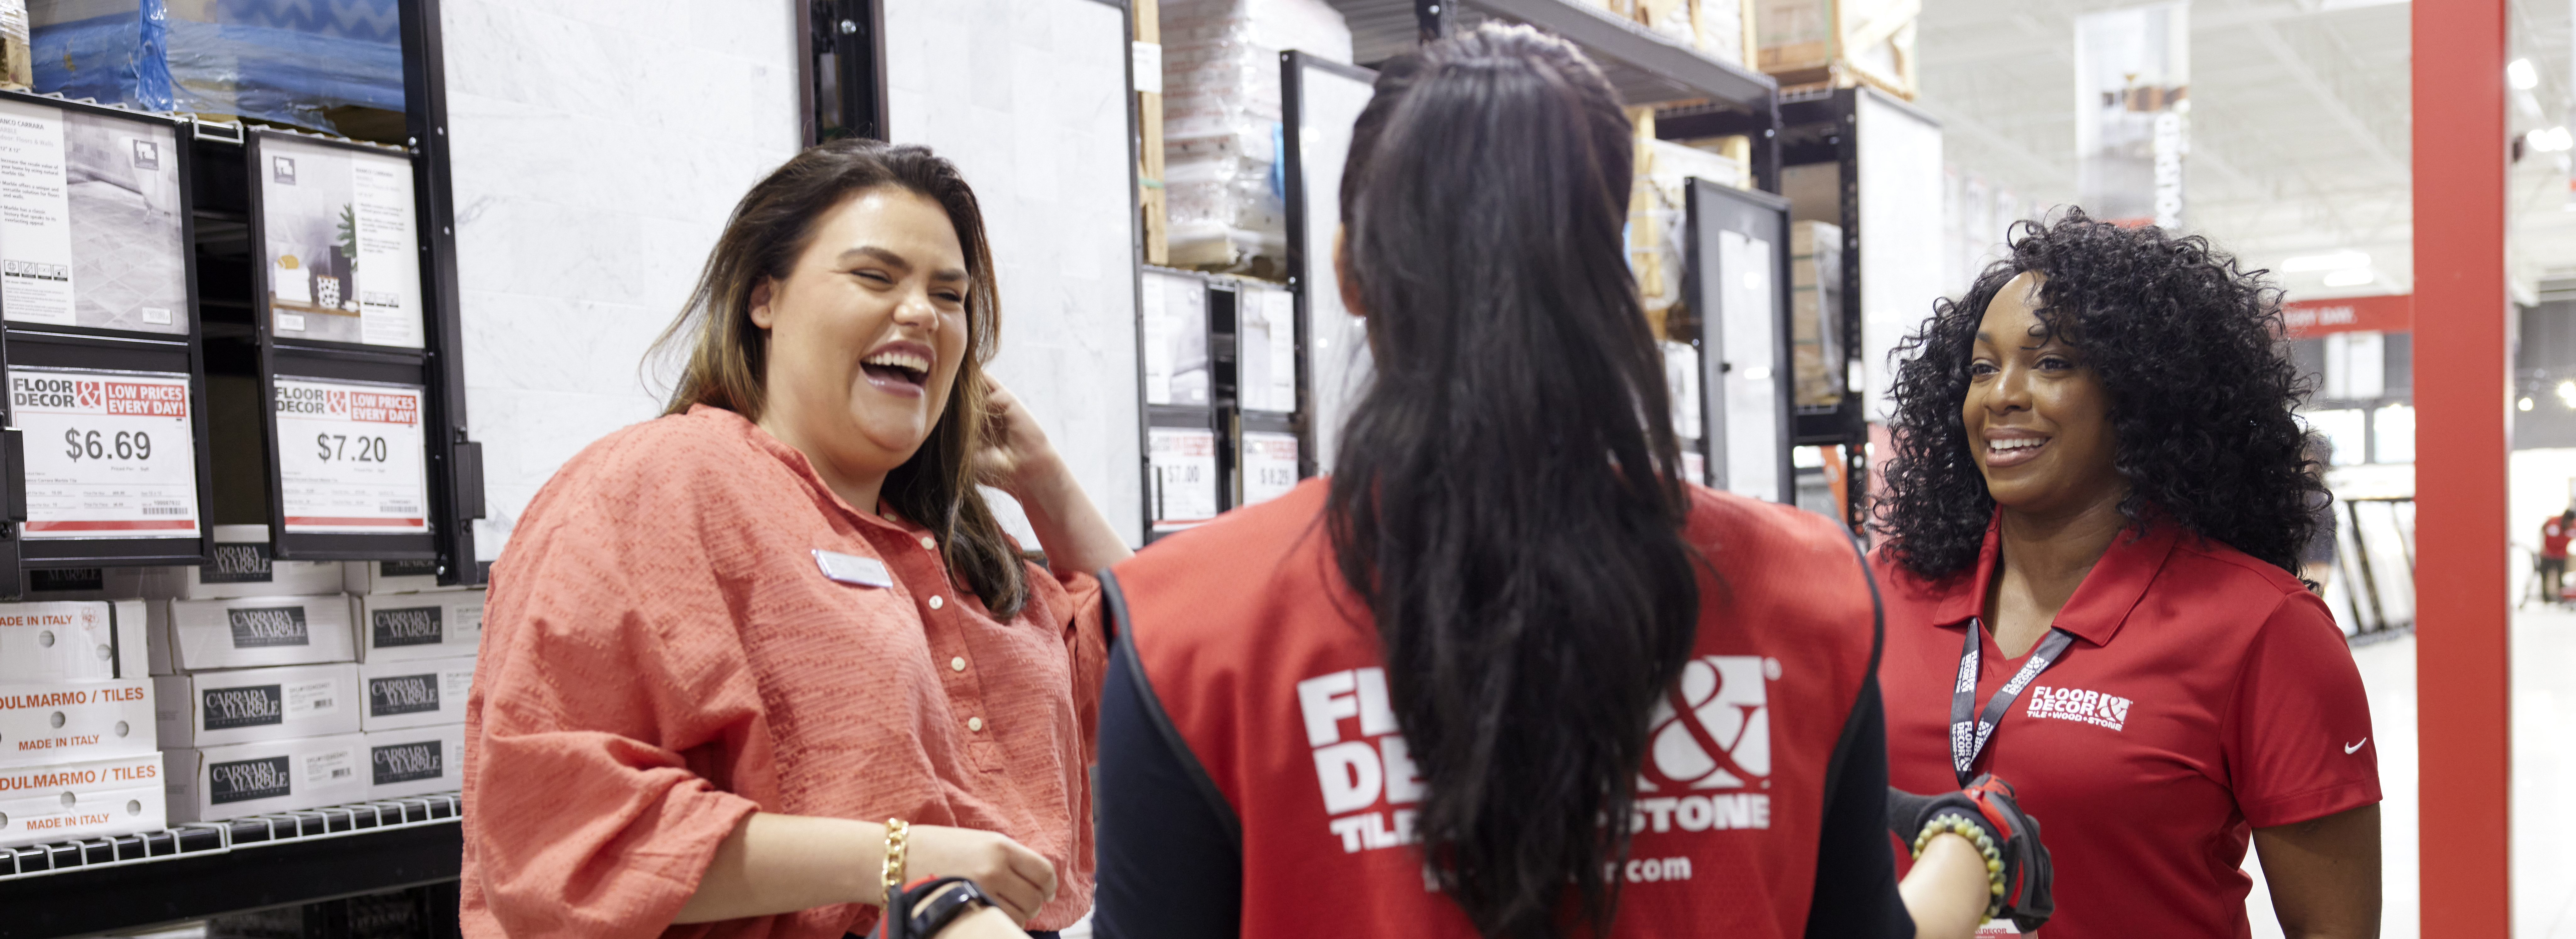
pixel 853 569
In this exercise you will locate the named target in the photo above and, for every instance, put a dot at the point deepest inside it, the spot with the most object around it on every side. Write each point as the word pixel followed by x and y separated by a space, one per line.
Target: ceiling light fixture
pixel 2348 278
pixel 2524 404
pixel 2567 393
pixel 2521 75
pixel 2337 261
pixel 2552 140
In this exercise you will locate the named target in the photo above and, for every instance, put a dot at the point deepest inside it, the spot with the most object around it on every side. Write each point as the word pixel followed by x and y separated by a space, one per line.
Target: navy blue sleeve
pixel 1170 856
pixel 1855 862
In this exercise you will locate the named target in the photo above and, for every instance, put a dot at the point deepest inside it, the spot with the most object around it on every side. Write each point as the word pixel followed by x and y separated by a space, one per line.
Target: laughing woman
pixel 748 664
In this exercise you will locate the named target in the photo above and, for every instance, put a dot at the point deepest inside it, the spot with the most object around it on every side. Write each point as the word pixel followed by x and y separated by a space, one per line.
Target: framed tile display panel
pixel 1319 100
pixel 106 452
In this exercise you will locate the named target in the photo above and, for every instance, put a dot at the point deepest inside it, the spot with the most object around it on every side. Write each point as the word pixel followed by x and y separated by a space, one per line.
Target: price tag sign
pixel 1269 465
pixel 1184 466
pixel 350 457
pixel 109 454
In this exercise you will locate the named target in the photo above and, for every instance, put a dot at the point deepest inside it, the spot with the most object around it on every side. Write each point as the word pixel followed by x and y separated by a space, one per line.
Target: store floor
pixel 2544 780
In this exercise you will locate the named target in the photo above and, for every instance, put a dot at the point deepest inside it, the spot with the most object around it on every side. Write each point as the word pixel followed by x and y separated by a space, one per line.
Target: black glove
pixel 1987 803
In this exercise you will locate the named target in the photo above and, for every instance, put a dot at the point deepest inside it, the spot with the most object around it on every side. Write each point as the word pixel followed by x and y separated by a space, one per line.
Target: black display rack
pixel 198 870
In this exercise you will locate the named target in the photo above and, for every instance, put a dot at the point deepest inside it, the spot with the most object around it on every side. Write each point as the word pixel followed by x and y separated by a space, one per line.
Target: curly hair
pixel 2188 346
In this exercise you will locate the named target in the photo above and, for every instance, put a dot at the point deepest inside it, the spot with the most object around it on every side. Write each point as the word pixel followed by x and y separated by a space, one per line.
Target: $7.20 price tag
pixel 109 454
pixel 349 457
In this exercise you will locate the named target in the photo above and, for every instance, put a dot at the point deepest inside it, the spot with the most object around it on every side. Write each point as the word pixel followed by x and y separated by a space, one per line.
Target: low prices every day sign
pixel 109 454
pixel 349 457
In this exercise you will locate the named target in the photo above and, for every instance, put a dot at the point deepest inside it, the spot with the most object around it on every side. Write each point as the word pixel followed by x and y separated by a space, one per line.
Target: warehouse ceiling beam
pixel 2327 100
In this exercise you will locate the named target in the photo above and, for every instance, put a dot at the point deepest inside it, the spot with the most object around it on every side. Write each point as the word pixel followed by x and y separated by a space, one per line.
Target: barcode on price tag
pixel 349 457
pixel 109 454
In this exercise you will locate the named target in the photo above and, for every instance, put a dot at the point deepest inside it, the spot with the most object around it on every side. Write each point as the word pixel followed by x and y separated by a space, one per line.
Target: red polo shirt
pixel 2206 694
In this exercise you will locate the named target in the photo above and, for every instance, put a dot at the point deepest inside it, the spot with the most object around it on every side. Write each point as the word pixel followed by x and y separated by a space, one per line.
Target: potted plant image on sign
pixel 109 454
pixel 1708 758
pixel 341 238
pixel 349 457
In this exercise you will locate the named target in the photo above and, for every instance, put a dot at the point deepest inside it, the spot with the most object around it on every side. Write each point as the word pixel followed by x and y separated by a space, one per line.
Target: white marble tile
pixel 599 145
pixel 1034 113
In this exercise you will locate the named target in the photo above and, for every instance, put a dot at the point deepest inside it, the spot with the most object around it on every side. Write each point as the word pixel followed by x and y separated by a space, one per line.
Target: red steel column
pixel 2461 646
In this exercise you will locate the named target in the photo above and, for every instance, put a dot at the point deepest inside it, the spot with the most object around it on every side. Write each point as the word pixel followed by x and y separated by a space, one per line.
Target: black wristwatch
pixel 932 915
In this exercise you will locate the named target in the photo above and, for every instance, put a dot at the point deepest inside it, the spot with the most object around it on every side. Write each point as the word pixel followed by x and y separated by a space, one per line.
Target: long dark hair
pixel 2188 345
pixel 728 355
pixel 1505 499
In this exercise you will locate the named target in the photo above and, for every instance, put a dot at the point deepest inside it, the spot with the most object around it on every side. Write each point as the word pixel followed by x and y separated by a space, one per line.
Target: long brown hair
pixel 728 355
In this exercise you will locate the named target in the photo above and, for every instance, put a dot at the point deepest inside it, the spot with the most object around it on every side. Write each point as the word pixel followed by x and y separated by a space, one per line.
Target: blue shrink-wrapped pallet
pixel 286 61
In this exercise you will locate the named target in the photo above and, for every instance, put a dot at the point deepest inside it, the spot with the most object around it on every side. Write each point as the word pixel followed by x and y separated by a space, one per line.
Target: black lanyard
pixel 1966 741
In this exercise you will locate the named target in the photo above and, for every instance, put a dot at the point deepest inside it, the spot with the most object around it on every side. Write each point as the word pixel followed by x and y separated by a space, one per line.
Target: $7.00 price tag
pixel 109 454
pixel 349 457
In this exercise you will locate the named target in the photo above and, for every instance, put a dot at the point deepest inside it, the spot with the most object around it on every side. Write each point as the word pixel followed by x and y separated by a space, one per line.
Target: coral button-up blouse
pixel 662 656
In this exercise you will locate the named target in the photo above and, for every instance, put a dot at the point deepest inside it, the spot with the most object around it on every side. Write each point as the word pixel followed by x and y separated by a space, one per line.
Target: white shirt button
pixel 957 664
pixel 975 723
pixel 930 542
pixel 936 603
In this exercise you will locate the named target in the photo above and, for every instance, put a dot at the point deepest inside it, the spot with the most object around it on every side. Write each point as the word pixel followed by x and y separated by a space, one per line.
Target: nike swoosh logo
pixel 2352 747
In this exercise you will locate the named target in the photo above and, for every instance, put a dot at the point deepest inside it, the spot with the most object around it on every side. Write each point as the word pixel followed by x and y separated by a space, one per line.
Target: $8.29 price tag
pixel 349 457
pixel 109 454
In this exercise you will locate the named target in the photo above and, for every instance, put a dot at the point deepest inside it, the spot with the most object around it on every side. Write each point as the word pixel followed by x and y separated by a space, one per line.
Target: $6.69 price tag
pixel 350 457
pixel 109 454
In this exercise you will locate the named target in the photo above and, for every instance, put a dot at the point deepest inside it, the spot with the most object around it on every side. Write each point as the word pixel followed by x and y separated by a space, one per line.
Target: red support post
pixel 2462 675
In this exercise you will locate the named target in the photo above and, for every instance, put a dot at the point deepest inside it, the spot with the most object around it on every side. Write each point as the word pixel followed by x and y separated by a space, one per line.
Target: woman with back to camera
pixel 750 664
pixel 1504 674
pixel 2096 507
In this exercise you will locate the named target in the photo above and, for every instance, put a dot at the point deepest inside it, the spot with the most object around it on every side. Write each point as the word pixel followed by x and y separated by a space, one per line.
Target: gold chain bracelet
pixel 896 831
pixel 1986 846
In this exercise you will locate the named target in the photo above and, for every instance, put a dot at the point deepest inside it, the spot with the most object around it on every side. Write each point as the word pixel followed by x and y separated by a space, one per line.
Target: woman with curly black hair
pixel 2097 504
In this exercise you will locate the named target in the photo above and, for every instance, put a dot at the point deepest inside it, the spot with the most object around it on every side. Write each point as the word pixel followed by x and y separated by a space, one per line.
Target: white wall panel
pixel 598 146
pixel 1030 99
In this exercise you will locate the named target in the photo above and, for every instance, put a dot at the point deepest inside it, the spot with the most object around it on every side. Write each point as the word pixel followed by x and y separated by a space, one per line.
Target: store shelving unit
pixel 198 870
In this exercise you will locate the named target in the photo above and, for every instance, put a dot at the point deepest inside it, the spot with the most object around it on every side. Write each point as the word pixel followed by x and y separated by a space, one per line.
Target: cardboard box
pixel 252 632
pixel 414 626
pixel 245 565
pixel 88 640
pixel 209 709
pixel 56 722
pixel 415 762
pixel 406 693
pixel 365 577
pixel 216 783
pixel 77 801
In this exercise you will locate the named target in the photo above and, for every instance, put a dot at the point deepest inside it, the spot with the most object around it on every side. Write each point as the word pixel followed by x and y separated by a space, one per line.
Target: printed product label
pixel 406 568
pixel 321 696
pixel 402 694
pixel 247 706
pixel 330 766
pixel 109 454
pixel 238 564
pixel 245 780
pixel 405 762
pixel 350 457
pixel 35 216
pixel 410 626
pixel 265 627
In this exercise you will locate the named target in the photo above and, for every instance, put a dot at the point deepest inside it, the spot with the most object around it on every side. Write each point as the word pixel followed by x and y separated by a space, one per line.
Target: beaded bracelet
pixel 1959 825
pixel 892 871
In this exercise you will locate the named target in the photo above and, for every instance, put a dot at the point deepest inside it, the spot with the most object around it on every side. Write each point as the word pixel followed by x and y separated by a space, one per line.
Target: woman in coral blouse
pixel 747 664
